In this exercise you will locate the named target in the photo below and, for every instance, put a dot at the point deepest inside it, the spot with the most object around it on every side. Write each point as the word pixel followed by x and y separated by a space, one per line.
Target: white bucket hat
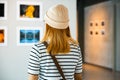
pixel 57 17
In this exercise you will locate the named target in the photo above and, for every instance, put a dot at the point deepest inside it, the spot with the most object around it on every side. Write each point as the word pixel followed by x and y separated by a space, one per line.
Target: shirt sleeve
pixel 34 60
pixel 79 64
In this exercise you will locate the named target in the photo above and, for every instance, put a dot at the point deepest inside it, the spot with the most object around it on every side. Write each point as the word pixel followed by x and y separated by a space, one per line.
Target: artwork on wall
pixel 102 32
pixel 29 35
pixel 97 27
pixel 3 10
pixel 102 23
pixel 29 10
pixel 99 34
pixel 96 33
pixel 91 32
pixel 3 36
pixel 91 24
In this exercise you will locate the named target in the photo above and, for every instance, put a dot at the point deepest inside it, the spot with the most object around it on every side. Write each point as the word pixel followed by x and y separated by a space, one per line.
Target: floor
pixel 92 72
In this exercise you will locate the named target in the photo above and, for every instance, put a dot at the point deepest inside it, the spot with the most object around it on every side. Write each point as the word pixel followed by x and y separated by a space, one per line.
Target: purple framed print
pixel 3 36
pixel 29 35
pixel 29 10
pixel 3 10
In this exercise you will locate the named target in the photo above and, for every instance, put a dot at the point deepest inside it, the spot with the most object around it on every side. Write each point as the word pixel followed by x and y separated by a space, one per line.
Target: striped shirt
pixel 41 63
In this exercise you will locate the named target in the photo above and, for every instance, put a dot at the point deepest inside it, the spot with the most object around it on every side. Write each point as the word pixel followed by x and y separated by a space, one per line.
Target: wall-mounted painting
pixel 96 23
pixel 102 32
pixel 29 10
pixel 29 35
pixel 3 10
pixel 91 23
pixel 3 36
pixel 102 23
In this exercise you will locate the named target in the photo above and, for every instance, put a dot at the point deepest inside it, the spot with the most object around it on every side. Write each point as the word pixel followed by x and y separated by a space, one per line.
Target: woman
pixel 60 44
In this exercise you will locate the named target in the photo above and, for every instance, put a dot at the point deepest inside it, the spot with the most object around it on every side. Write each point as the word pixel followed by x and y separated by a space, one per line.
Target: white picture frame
pixel 3 36
pixel 3 10
pixel 28 35
pixel 29 11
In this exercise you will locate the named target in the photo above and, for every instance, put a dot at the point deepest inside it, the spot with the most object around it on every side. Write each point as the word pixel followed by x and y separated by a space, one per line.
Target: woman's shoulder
pixel 39 45
pixel 74 45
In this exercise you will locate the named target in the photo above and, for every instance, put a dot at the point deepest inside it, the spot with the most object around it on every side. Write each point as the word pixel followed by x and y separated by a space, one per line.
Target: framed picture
pixel 29 35
pixel 91 23
pixel 29 10
pixel 97 23
pixel 103 23
pixel 3 36
pixel 3 10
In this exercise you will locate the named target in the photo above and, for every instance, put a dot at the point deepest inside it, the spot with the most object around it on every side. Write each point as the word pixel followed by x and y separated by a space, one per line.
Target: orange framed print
pixel 3 10
pixel 29 10
pixel 3 36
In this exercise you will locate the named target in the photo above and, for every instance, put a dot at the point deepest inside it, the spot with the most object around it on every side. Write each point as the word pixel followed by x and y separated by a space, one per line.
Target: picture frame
pixel 29 35
pixel 3 10
pixel 3 36
pixel 29 11
pixel 103 23
pixel 97 23
pixel 91 23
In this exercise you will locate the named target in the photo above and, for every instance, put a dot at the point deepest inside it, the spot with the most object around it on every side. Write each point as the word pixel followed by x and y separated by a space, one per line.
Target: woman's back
pixel 61 44
pixel 41 63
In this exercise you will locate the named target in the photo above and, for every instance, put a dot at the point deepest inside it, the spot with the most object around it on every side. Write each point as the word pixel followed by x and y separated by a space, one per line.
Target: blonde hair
pixel 59 40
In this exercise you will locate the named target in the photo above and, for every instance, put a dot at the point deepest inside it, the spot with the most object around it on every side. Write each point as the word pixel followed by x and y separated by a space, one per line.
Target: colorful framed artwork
pixel 3 36
pixel 29 35
pixel 3 10
pixel 29 10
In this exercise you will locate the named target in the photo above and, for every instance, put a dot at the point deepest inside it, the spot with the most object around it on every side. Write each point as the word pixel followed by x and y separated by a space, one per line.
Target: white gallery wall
pixel 13 57
pixel 99 34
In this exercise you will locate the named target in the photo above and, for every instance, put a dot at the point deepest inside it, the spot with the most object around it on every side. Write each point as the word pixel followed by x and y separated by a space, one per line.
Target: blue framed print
pixel 29 35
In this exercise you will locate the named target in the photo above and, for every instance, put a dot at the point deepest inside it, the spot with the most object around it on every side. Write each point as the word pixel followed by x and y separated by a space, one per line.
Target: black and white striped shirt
pixel 41 63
